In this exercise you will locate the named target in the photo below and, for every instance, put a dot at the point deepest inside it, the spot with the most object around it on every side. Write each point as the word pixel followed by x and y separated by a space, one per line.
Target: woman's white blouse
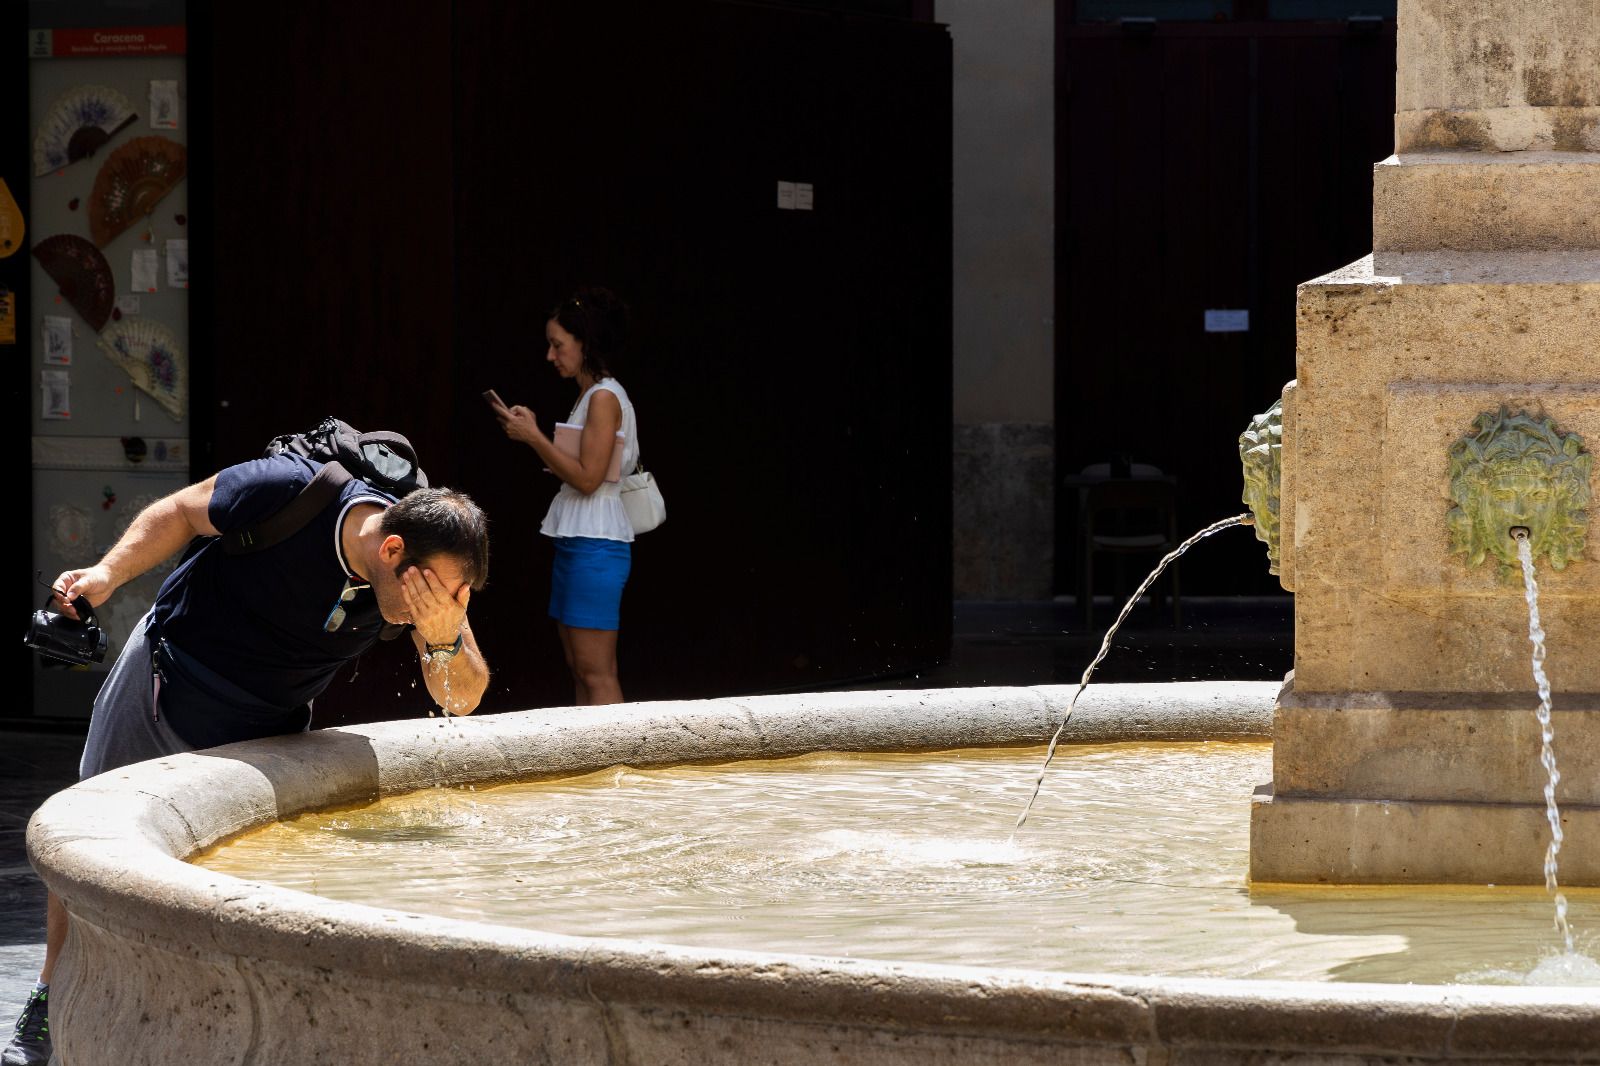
pixel 600 514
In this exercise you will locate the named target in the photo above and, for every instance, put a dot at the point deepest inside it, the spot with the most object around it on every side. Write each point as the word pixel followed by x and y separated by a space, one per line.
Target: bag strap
pixel 81 604
pixel 320 491
pixel 276 528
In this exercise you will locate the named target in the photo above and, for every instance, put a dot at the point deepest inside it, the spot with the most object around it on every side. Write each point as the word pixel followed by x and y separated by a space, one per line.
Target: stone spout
pixel 1261 452
pixel 1518 472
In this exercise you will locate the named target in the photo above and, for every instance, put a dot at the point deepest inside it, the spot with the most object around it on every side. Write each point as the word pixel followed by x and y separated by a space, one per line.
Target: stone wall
pixel 1004 510
pixel 1498 75
pixel 1004 281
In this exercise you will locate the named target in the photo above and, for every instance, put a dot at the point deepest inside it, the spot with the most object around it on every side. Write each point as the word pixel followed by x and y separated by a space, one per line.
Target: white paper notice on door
pixel 1227 320
pixel 163 105
pixel 56 385
pixel 146 269
pixel 178 264
pixel 57 336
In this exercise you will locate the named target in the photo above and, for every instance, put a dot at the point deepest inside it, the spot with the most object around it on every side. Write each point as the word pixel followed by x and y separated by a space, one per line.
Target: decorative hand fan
pixel 132 180
pixel 81 273
pixel 79 122
pixel 148 353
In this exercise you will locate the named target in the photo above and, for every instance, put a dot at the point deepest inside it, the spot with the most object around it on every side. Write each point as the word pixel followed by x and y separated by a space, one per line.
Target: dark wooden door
pixel 791 368
pixel 389 226
pixel 1201 167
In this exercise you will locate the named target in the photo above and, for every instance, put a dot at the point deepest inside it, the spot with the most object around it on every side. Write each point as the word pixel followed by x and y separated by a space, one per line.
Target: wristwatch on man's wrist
pixel 441 652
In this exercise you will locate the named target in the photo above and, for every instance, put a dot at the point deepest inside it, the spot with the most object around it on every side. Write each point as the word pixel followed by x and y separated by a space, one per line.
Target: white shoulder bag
pixel 641 498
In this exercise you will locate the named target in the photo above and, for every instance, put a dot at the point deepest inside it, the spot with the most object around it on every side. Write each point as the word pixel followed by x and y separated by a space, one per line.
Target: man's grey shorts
pixel 125 729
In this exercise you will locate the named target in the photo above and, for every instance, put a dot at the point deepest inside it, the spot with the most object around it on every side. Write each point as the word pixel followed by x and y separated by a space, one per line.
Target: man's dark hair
pixel 435 522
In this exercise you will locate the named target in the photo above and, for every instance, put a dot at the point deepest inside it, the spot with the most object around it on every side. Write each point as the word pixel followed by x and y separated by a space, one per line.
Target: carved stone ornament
pixel 1261 452
pixel 1517 470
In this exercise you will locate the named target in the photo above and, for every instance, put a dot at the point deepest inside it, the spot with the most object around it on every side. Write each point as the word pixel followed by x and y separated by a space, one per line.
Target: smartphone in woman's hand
pixel 496 404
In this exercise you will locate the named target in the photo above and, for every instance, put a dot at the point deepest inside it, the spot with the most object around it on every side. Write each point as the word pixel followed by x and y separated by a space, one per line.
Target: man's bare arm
pixel 159 532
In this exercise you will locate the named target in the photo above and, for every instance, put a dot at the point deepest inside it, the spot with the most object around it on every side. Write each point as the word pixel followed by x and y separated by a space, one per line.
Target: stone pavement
pixel 34 765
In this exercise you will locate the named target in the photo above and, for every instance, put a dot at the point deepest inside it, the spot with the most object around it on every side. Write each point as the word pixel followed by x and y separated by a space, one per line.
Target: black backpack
pixel 383 459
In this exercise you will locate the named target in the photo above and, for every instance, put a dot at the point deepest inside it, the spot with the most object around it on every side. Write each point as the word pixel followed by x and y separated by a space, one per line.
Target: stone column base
pixel 1373 841
pixel 1442 788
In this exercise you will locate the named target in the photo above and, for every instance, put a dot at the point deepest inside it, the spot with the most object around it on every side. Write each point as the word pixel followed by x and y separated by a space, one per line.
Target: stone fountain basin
pixel 167 962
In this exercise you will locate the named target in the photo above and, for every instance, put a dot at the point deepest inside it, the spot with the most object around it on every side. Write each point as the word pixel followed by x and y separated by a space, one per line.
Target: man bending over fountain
pixel 236 646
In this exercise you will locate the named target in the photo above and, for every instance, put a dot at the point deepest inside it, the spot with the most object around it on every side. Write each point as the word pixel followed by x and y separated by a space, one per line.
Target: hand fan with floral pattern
pixel 148 353
pixel 79 122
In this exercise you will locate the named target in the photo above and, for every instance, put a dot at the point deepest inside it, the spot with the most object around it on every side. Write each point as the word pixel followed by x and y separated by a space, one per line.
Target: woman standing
pixel 593 538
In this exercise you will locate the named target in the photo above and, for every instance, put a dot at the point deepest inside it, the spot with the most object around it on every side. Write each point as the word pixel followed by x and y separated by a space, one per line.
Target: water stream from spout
pixel 1105 646
pixel 449 730
pixel 1547 735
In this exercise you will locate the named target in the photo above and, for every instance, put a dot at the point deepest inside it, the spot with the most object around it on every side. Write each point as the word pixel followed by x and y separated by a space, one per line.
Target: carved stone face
pixel 1518 498
pixel 1513 471
pixel 1261 452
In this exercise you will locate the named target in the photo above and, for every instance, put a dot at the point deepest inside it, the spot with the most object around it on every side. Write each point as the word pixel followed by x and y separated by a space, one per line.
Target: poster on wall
pixel 104 182
pixel 105 110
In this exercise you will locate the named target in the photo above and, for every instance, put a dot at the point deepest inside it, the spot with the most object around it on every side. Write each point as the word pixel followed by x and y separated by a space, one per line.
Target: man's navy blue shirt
pixel 258 619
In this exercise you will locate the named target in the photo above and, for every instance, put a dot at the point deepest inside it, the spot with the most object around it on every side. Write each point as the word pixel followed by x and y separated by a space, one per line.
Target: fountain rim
pixel 115 849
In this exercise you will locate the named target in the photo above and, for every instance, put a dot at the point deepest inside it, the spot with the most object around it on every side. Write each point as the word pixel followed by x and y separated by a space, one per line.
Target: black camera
pixel 72 640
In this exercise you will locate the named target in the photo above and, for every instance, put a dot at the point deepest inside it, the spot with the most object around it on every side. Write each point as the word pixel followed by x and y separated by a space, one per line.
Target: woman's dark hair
pixel 435 522
pixel 599 319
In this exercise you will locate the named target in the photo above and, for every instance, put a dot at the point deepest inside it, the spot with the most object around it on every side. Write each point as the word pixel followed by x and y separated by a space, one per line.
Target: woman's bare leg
pixel 593 659
pixel 580 696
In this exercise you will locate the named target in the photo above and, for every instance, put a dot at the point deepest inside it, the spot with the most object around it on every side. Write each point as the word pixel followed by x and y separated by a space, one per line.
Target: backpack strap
pixel 276 528
pixel 320 491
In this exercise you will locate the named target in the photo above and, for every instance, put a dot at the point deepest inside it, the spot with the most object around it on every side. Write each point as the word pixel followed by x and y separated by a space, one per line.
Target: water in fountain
pixel 1105 646
pixel 1139 867
pixel 1137 863
pixel 1547 735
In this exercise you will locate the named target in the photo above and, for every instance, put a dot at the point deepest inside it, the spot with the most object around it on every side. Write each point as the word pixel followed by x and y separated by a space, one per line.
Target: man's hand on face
pixel 437 614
